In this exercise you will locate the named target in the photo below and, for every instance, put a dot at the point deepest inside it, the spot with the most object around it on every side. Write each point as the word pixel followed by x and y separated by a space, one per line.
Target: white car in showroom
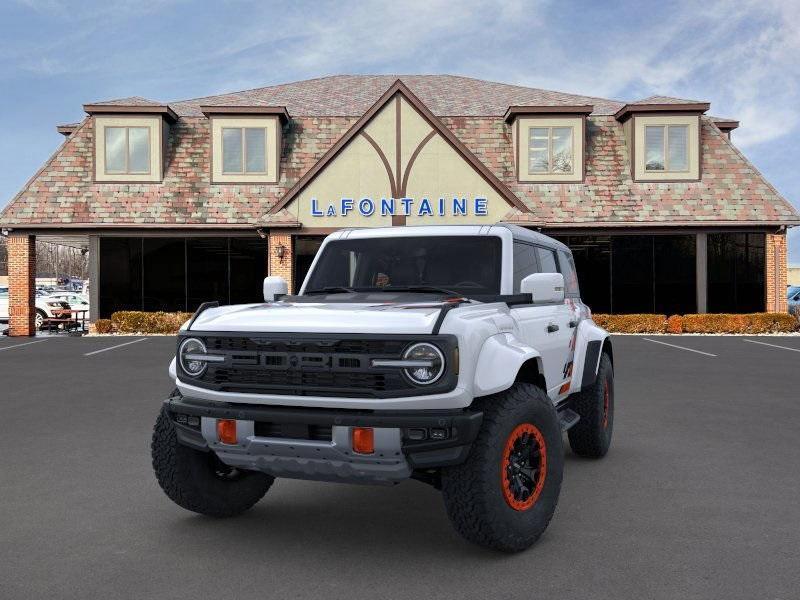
pixel 47 307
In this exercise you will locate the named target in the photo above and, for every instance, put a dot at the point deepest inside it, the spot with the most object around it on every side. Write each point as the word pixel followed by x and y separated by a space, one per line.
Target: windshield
pixel 467 265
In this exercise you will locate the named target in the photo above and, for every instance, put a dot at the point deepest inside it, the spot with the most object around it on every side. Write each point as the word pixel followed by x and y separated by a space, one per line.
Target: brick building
pixel 197 200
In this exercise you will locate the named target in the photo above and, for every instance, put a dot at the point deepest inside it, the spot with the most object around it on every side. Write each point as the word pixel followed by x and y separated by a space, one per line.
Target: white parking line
pixel 113 347
pixel 771 345
pixel 681 347
pixel 20 345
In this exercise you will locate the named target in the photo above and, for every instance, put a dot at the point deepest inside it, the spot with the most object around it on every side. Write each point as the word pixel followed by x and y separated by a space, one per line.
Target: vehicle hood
pixel 311 317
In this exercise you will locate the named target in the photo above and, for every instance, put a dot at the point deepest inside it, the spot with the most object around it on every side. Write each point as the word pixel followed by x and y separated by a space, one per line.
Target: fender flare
pixel 499 361
pixel 589 342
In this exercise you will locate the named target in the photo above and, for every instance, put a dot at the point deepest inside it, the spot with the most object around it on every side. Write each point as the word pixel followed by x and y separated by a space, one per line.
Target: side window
pixel 547 260
pixel 569 272
pixel 524 263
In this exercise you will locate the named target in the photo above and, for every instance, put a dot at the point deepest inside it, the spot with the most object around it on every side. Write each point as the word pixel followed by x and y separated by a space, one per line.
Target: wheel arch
pixel 503 360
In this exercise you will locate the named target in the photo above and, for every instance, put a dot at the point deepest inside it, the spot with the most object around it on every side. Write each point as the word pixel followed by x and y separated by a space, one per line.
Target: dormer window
pixel 127 150
pixel 666 148
pixel 129 140
pixel 548 142
pixel 245 143
pixel 550 150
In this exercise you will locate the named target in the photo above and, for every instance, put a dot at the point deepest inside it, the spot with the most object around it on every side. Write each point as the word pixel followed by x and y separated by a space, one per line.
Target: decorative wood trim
pixel 630 109
pixel 411 160
pixel 384 160
pixel 515 111
pixel 279 111
pixel 131 109
pixel 399 87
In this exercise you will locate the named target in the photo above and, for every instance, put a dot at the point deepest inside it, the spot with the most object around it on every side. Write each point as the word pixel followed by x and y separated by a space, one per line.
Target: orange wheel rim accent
pixel 606 400
pixel 523 467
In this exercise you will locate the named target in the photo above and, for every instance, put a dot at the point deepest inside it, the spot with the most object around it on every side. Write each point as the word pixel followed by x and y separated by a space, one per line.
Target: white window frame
pixel 550 170
pixel 665 148
pixel 243 129
pixel 127 129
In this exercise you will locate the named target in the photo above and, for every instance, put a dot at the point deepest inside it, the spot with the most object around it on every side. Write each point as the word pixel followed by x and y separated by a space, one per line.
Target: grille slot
pixel 294 431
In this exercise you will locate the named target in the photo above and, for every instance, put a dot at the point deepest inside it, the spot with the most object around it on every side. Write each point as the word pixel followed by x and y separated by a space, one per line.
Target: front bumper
pixel 404 440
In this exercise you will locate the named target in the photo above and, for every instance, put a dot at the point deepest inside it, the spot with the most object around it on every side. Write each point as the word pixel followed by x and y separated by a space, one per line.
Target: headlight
pixel 191 366
pixel 430 363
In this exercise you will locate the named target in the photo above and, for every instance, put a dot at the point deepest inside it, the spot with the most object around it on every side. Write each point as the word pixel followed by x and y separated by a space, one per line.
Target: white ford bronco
pixel 454 355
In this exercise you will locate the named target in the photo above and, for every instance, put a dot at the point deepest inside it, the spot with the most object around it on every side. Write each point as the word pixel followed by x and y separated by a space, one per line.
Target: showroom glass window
pixel 178 274
pixel 244 150
pixel 127 150
pixel 550 150
pixel 736 265
pixel 666 148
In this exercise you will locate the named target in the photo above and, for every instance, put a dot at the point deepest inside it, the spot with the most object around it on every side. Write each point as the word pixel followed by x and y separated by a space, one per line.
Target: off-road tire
pixel 591 436
pixel 190 480
pixel 475 491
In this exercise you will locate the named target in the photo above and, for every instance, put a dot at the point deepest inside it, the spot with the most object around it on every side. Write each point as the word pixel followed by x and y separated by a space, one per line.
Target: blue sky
pixel 56 55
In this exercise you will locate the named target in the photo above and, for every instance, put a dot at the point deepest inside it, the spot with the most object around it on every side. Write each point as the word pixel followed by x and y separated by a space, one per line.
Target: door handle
pixel 552 328
pixel 573 324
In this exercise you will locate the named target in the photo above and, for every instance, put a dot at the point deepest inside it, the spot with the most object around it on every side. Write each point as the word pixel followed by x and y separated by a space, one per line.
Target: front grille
pixel 313 365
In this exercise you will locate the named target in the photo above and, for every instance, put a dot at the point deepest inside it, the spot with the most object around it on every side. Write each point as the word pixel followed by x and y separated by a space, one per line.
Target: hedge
pixel 130 321
pixel 134 321
pixel 707 323
pixel 103 326
pixel 632 323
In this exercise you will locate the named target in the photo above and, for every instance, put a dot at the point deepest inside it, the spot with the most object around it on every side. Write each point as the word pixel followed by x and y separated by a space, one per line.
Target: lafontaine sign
pixel 421 207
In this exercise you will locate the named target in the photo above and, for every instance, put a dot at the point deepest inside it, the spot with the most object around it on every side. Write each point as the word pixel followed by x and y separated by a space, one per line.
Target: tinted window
pixel 524 262
pixel 568 270
pixel 469 265
pixel 736 272
pixel 547 260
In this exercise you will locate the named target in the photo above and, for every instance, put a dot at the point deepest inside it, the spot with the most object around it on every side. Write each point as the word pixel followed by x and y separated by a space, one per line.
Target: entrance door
pixel 305 249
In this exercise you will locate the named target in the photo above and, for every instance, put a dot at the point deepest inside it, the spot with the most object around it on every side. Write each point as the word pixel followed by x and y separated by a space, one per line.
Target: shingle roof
pixel 665 100
pixel 63 193
pixel 352 95
pixel 130 101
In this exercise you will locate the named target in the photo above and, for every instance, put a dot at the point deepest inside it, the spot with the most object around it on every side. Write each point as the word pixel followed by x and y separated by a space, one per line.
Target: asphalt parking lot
pixel 698 497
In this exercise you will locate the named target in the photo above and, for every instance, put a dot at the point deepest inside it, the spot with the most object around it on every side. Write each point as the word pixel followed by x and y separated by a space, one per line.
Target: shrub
pixel 747 323
pixel 752 323
pixel 675 324
pixel 632 323
pixel 103 326
pixel 134 321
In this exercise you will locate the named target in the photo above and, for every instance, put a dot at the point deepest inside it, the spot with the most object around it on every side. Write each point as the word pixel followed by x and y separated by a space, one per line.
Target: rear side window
pixel 524 263
pixel 547 260
pixel 569 272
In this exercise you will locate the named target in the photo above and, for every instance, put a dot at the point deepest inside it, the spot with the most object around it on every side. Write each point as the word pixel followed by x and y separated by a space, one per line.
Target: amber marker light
pixel 363 440
pixel 226 431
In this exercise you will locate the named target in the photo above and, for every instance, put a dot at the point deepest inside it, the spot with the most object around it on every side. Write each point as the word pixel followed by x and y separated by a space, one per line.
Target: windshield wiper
pixel 419 288
pixel 331 289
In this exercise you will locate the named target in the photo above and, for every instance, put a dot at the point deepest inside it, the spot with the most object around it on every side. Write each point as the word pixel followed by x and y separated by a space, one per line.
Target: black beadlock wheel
pixel 591 436
pixel 199 481
pixel 504 495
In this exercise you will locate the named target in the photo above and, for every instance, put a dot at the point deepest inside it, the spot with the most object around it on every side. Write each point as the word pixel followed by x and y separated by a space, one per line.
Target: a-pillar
pixel 776 273
pixel 21 284
pixel 281 257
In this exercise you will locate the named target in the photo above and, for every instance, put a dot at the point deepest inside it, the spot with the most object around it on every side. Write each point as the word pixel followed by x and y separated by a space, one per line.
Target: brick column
pixel 21 284
pixel 775 273
pixel 282 267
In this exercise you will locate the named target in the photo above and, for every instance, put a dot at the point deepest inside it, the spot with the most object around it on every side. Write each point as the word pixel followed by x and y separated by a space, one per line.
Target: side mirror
pixel 274 287
pixel 543 287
